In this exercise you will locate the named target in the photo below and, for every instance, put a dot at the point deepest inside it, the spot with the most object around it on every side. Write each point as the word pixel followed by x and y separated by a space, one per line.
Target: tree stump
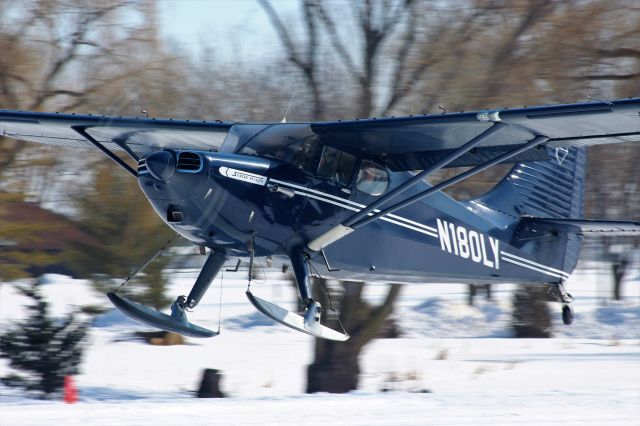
pixel 210 384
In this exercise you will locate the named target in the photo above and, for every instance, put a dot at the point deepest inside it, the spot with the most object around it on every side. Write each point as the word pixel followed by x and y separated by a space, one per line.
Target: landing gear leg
pixel 310 322
pixel 211 267
pixel 301 271
pixel 313 310
pixel 558 292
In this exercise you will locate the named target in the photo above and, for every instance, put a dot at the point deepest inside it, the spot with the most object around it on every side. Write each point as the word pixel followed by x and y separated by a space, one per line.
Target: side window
pixel 336 165
pixel 328 162
pixel 372 178
pixel 304 156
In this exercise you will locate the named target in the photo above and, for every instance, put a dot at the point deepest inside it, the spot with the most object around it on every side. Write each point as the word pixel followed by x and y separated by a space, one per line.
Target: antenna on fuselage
pixel 295 91
pixel 604 101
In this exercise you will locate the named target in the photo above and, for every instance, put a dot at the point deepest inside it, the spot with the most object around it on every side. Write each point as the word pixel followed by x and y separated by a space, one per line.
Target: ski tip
pixel 293 320
pixel 113 297
pixel 157 319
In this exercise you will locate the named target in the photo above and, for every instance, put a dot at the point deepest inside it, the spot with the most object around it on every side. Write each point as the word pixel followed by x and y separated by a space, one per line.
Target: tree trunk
pixel 338 373
pixel 531 315
pixel 618 274
pixel 472 291
pixel 487 288
pixel 335 368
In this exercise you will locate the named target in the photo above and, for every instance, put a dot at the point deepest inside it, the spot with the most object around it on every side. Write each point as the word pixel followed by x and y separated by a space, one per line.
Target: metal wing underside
pixel 138 135
pixel 416 142
pixel 404 143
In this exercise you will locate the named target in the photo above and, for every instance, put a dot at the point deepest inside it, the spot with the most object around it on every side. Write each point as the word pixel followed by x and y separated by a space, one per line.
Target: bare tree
pixel 336 366
pixel 386 35
pixel 64 55
pixel 306 60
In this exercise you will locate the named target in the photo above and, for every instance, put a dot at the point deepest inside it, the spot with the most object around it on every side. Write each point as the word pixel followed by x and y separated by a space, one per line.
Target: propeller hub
pixel 161 165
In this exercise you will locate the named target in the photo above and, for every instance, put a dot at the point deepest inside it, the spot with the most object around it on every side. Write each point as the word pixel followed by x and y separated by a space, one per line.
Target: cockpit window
pixel 239 134
pixel 336 165
pixel 304 154
pixel 299 153
pixel 294 144
pixel 372 178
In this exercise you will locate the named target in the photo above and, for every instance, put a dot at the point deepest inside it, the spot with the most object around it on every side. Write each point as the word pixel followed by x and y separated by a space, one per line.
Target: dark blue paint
pixel 224 213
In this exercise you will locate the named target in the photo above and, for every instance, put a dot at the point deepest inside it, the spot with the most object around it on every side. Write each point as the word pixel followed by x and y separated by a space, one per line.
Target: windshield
pixel 293 144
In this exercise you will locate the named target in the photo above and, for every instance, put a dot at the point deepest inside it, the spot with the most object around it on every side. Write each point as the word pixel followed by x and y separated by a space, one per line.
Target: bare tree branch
pixel 377 317
pixel 621 52
pixel 611 77
pixel 536 10
pixel 395 17
pixel 308 65
pixel 337 43
pixel 402 86
pixel 282 33
pixel 83 26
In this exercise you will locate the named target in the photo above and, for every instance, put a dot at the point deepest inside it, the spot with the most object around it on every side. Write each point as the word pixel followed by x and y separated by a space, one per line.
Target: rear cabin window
pixel 336 165
pixel 372 178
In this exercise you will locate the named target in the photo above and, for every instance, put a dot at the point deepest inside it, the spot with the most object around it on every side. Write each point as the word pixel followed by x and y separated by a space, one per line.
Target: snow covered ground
pixel 453 365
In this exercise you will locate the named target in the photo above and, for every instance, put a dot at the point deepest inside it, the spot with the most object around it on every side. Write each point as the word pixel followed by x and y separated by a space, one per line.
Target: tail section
pixel 552 189
pixel 544 189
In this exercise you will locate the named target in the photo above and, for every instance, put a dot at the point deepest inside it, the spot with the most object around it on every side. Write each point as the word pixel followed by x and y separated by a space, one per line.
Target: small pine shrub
pixel 44 349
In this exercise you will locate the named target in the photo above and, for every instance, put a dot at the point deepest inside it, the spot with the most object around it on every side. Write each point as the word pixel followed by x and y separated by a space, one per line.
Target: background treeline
pixel 342 59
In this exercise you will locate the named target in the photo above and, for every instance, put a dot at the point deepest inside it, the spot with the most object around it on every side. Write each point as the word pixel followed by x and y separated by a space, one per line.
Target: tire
pixel 567 314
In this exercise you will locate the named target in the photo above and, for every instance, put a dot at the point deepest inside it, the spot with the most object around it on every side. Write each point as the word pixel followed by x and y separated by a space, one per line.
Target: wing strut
pixel 442 185
pixel 426 172
pixel 81 130
pixel 368 214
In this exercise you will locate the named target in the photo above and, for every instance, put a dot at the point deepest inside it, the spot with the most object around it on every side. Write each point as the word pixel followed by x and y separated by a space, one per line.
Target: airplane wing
pixel 416 142
pixel 137 136
pixel 403 143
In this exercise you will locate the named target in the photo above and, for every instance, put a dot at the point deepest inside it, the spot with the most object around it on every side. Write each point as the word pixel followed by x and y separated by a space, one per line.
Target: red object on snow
pixel 70 390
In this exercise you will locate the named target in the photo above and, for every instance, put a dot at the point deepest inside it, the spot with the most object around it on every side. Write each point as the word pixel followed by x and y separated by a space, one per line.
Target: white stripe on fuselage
pixel 351 205
pixel 533 265
pixel 454 239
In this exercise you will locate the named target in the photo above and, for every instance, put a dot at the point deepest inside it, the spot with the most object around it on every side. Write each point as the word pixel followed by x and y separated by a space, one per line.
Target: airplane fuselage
pixel 223 200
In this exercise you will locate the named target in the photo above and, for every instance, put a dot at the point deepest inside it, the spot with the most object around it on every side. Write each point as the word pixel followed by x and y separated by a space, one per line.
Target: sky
pixel 228 26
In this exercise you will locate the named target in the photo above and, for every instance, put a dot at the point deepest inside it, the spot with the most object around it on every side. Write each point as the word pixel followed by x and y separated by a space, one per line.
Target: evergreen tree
pixel 45 348
pixel 153 285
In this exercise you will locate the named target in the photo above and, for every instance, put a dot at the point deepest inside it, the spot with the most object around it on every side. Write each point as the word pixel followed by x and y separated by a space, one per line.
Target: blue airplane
pixel 349 200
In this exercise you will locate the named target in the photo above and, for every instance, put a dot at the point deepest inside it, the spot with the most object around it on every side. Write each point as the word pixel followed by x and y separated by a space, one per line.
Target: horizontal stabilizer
pixel 157 319
pixel 294 320
pixel 583 226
